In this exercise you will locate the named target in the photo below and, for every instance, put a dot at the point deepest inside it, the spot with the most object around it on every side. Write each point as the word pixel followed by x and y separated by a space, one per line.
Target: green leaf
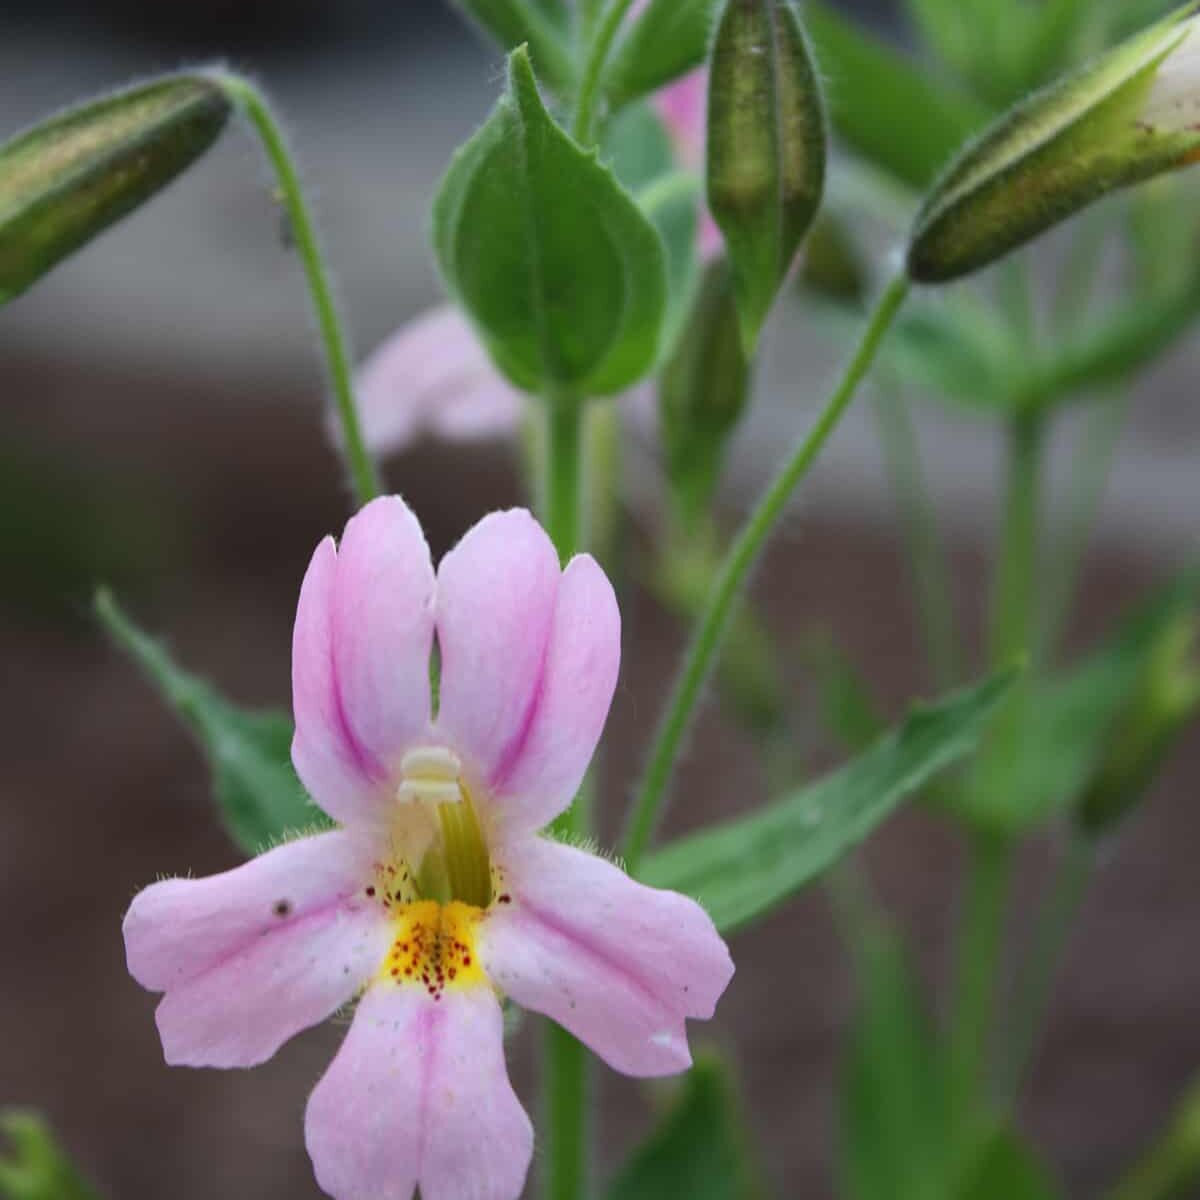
pixel 1089 134
pixel 562 274
pixel 746 867
pixel 667 40
pixel 895 1119
pixel 35 1168
pixel 68 179
pixel 541 25
pixel 259 798
pixel 766 149
pixel 894 111
pixel 638 149
pixel 1005 1169
pixel 700 1149
pixel 702 394
pixel 1066 722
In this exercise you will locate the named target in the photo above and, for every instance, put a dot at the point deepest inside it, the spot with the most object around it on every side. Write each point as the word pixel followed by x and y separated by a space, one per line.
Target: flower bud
pixel 766 148
pixel 703 391
pixel 1130 115
pixel 70 178
pixel 1165 699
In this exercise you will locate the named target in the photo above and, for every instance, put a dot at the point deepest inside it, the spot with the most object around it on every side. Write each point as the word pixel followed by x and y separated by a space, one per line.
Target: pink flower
pixel 438 894
pixel 433 376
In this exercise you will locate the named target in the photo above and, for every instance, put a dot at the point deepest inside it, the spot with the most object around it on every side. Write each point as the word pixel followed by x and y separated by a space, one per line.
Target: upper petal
pixel 582 661
pixel 419 1095
pixel 360 659
pixel 495 608
pixel 433 375
pixel 251 957
pixel 383 628
pixel 618 964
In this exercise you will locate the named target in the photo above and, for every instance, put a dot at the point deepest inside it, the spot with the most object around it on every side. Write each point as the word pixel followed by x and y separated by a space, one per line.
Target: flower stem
pixel 981 948
pixel 738 562
pixel 980 952
pixel 562 500
pixel 333 337
pixel 1033 998
pixel 565 1084
pixel 930 570
pixel 588 97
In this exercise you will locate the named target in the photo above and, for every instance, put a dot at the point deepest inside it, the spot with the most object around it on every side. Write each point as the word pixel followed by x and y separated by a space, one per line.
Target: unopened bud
pixel 1130 115
pixel 70 178
pixel 766 148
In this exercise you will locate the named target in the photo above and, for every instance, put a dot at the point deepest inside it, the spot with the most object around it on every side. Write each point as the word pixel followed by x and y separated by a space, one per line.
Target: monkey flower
pixel 438 894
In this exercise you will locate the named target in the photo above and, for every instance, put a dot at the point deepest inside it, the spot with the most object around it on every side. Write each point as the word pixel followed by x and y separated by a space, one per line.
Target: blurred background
pixel 161 428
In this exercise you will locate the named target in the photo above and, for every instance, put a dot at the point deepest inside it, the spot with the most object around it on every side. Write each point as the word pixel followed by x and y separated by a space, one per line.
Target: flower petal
pixel 433 375
pixel 382 629
pixel 495 610
pixel 580 674
pixel 338 773
pixel 419 1095
pixel 618 964
pixel 251 957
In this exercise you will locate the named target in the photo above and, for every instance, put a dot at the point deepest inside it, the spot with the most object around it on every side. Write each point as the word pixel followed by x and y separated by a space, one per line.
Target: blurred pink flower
pixel 438 894
pixel 433 377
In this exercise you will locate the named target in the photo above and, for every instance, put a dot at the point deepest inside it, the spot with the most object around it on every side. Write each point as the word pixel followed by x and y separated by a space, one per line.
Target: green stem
pixel 1033 996
pixel 980 952
pixel 565 1125
pixel 337 354
pixel 588 97
pixel 741 557
pixel 1016 575
pixel 981 949
pixel 926 553
pixel 563 499
pixel 1089 475
pixel 566 1091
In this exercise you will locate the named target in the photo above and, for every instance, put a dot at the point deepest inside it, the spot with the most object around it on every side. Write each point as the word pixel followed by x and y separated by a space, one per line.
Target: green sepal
pixel 702 394
pixel 68 179
pixel 258 796
pixel 34 1166
pixel 1050 156
pixel 540 26
pixel 701 1148
pixel 766 149
pixel 743 869
pixel 560 271
pixel 668 39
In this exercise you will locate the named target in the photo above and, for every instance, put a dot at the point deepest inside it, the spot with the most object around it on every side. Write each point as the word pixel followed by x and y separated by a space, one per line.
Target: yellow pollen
pixel 434 947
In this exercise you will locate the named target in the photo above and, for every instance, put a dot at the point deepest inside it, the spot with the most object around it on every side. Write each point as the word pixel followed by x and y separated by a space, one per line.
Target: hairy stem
pixel 742 555
pixel 338 358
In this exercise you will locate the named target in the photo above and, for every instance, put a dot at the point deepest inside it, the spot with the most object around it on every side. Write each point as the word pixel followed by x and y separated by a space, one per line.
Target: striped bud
pixel 1130 115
